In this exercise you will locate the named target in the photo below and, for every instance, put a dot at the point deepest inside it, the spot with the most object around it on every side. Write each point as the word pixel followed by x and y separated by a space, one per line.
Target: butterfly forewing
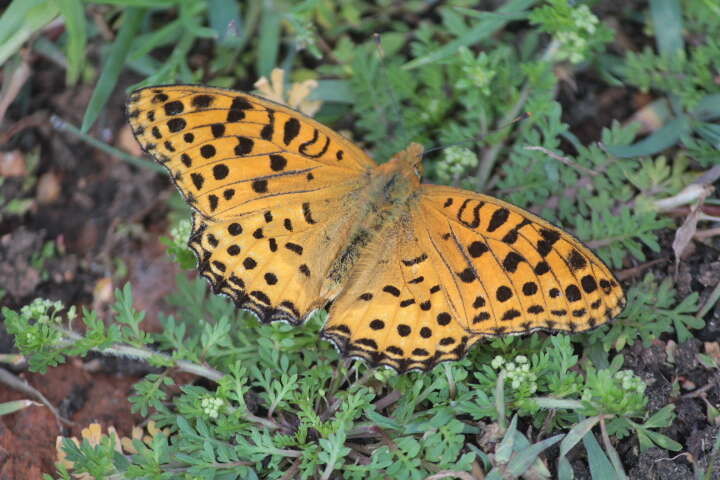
pixel 514 272
pixel 266 184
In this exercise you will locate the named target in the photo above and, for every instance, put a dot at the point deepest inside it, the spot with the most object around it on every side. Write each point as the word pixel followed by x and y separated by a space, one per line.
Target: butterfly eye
pixel 418 172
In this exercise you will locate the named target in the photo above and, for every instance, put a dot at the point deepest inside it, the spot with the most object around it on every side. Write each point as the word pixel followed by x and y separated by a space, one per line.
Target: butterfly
pixel 290 217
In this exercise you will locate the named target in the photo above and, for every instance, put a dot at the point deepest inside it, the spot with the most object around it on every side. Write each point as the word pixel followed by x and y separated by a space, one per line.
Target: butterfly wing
pixel 462 266
pixel 396 310
pixel 513 272
pixel 263 181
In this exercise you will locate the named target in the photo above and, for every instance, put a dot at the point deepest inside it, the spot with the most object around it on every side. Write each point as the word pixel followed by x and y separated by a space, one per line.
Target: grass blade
pixel 492 23
pixel 143 3
pixel 74 14
pixel 113 66
pixel 659 140
pixel 600 465
pixel 225 20
pixel 338 91
pixel 269 43
pixel 19 22
pixel 166 35
pixel 577 433
pixel 15 405
pixel 525 458
pixel 667 19
pixel 708 107
pixel 14 16
pixel 63 126
pixel 506 446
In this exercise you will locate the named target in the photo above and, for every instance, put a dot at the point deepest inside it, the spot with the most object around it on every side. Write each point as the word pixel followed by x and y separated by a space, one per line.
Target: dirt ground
pixel 96 209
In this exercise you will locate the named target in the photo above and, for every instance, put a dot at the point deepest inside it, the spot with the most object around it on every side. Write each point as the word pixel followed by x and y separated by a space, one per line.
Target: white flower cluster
pixel 181 232
pixel 211 406
pixel 44 310
pixel 40 308
pixel 572 44
pixel 456 161
pixel 517 373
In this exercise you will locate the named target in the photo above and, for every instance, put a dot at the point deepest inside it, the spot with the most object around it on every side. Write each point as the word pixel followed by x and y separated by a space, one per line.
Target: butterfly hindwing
pixel 272 262
pixel 396 311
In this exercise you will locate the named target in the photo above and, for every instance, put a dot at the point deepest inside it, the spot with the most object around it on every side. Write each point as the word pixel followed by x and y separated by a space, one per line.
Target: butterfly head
pixel 410 162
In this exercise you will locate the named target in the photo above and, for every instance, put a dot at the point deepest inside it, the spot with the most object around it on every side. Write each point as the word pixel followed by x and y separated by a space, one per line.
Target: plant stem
pixel 145 354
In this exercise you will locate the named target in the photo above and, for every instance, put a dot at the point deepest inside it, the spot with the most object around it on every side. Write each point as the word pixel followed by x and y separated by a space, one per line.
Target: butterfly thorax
pixel 392 191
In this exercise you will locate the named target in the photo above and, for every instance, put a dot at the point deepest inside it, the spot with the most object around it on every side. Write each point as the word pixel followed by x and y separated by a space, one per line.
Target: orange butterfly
pixel 290 216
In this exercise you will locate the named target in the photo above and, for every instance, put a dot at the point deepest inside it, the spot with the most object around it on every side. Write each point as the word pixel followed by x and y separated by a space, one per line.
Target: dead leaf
pixel 713 349
pixel 14 84
pixel 48 188
pixel 126 142
pixel 686 232
pixel 12 164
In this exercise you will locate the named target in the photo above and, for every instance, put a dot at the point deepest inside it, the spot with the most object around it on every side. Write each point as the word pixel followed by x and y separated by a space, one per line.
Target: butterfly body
pixel 289 216
pixel 374 210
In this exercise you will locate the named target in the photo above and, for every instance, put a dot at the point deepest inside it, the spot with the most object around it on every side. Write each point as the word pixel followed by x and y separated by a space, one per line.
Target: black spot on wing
pixel 511 261
pixel 176 124
pixel 260 186
pixel 392 290
pixel 217 129
pixel 277 163
pixel 244 146
pixel 415 261
pixel 476 249
pixel 544 246
pixel 576 260
pixel 498 219
pixel 290 130
pixel 307 213
pixel 503 293
pixel 267 131
pixel 306 145
pixel 294 247
pixel 588 283
pixel 174 108
pixel 201 101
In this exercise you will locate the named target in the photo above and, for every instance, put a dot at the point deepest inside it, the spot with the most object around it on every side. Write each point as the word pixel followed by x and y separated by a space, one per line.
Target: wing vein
pixel 490 301
pixel 452 276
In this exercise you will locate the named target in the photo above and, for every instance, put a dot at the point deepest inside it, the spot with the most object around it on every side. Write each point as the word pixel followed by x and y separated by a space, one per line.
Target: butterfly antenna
pixel 394 104
pixel 519 118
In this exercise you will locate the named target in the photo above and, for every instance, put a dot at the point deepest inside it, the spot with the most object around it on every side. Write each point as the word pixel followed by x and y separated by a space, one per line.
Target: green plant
pixel 652 310
pixel 220 428
pixel 682 73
